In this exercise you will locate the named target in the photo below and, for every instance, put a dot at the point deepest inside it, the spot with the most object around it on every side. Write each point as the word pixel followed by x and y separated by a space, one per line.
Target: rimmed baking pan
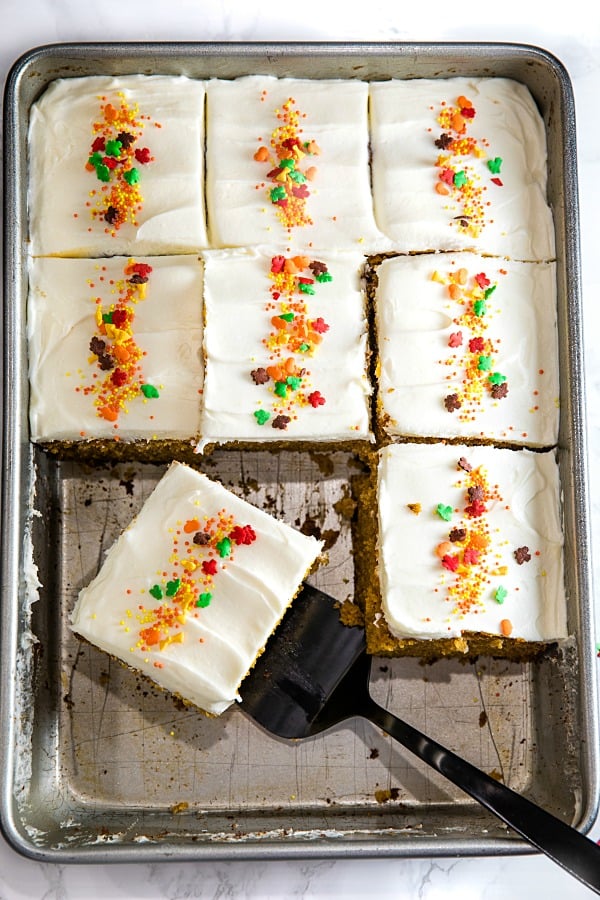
pixel 97 765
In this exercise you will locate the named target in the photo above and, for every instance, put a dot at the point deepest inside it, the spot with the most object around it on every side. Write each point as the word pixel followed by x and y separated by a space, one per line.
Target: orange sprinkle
pixel 506 627
pixel 262 154
pixel 441 188
pixel 191 525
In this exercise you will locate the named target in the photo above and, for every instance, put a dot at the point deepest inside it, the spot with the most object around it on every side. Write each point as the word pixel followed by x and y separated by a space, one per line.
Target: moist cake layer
pixel 287 164
pixel 460 163
pixel 115 348
pixel 192 589
pixel 468 348
pixel 470 540
pixel 285 346
pixel 117 166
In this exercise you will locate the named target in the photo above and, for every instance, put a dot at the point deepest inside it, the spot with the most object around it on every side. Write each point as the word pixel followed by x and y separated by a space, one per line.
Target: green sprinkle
pixel 297 176
pixel 103 172
pixel 444 512
pixel 479 308
pixel 156 591
pixel 149 391
pixel 107 318
pixel 294 382
pixel 132 176
pixel 460 179
pixel 287 164
pixel 489 291
pixel 500 595
pixel 287 317
pixel 496 378
pixel 277 193
pixel 306 288
pixel 173 587
pixel 224 547
pixel 281 388
pixel 324 276
pixel 485 363
pixel 262 416
pixel 304 347
pixel 494 165
pixel 95 159
pixel 203 600
pixel 113 148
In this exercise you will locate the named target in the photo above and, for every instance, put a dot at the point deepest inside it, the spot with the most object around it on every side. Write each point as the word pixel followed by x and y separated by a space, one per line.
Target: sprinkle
pixel 494 165
pixel 455 339
pixel 452 402
pixel 262 416
pixel 500 595
pixel 243 534
pixel 522 555
pixel 506 627
pixel 415 508
pixel 204 600
pixel 156 591
pixel 451 563
pixel 444 512
pixel 224 547
pixel 149 391
pixel 260 376
pixel 172 587
pixel 316 399
pixel 209 566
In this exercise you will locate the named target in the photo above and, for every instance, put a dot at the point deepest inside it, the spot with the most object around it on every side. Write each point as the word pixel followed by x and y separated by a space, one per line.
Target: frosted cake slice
pixel 115 348
pixel 287 162
pixel 285 348
pixel 470 552
pixel 468 348
pixel 117 166
pixel 192 589
pixel 460 163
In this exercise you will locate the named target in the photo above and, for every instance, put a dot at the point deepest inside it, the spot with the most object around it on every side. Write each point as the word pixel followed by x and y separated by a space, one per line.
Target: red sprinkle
pixel 209 566
pixel 450 563
pixel 316 399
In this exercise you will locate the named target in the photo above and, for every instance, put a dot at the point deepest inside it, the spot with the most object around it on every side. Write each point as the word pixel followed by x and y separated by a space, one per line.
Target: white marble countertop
pixel 572 33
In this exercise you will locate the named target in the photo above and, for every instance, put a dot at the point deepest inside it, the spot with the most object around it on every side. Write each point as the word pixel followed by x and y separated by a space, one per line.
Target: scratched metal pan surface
pixel 96 764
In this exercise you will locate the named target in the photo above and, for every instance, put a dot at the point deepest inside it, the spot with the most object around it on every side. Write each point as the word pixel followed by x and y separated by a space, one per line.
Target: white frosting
pixel 507 125
pixel 172 218
pixel 241 117
pixel 417 321
pixel 414 582
pixel 239 308
pixel 167 327
pixel 250 591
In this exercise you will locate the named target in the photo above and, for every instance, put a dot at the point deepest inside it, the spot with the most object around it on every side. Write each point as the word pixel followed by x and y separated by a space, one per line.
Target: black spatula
pixel 314 674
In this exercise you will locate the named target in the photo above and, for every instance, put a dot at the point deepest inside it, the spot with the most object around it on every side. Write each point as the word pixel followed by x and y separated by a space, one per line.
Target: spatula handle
pixel 562 843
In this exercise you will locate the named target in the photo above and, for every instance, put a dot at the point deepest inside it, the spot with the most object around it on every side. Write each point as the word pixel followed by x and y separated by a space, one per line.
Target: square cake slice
pixel 192 589
pixel 285 348
pixel 468 349
pixel 117 166
pixel 287 162
pixel 115 348
pixel 460 163
pixel 470 552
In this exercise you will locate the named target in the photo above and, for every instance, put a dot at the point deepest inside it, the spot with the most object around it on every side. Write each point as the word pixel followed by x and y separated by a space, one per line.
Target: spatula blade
pixel 303 662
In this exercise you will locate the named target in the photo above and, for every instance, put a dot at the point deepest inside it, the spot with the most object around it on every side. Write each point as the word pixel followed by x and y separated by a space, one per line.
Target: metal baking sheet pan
pixel 96 764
